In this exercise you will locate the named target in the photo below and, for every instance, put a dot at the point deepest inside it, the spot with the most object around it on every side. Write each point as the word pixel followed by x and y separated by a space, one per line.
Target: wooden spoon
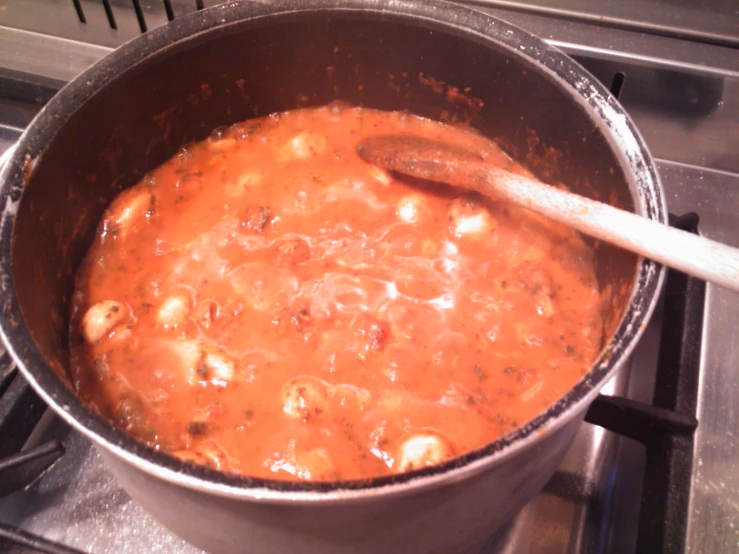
pixel 445 163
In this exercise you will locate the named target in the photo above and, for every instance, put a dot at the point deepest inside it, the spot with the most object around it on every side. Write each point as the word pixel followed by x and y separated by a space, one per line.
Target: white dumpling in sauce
pixel 421 450
pixel 101 318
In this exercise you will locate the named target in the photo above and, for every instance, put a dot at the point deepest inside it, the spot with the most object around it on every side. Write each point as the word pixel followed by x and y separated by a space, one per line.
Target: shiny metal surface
pixel 594 40
pixel 715 22
pixel 59 18
pixel 56 59
pixel 683 96
pixel 714 514
pixel 710 21
pixel 80 504
pixel 8 135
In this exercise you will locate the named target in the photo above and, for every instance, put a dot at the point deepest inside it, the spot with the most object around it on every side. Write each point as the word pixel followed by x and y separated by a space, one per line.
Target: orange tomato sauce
pixel 267 303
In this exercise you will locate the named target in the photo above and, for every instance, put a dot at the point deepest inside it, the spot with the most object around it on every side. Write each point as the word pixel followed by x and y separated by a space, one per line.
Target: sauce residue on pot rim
pixel 266 303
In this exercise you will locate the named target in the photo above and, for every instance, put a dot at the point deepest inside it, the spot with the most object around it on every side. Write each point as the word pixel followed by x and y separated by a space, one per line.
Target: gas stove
pixel 655 469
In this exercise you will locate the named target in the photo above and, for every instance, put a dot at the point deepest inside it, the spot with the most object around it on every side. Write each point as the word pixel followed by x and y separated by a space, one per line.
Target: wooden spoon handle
pixel 448 164
pixel 692 254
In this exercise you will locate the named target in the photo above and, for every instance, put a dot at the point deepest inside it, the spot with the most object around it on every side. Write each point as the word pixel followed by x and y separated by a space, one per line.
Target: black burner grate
pixel 20 412
pixel 666 428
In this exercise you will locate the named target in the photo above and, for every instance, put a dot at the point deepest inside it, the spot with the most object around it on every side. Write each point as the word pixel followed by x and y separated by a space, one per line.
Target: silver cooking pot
pixel 134 109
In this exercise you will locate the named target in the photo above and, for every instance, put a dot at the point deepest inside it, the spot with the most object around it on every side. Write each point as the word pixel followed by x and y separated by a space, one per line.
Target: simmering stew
pixel 267 303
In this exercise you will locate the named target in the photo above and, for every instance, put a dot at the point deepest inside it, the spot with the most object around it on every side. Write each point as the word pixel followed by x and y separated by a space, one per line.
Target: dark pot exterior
pixel 453 516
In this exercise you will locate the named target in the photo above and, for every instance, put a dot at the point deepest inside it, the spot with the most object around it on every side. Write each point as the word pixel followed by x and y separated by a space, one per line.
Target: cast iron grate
pixel 667 427
pixel 20 411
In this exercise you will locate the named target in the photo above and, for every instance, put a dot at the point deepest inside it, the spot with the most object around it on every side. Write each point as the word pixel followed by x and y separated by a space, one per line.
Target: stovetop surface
pixel 682 89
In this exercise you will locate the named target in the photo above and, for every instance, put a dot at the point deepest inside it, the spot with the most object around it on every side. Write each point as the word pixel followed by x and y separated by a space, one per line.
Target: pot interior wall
pixel 255 67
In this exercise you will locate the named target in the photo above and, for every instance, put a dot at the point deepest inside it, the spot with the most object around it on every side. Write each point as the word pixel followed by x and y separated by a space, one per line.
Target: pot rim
pixel 618 129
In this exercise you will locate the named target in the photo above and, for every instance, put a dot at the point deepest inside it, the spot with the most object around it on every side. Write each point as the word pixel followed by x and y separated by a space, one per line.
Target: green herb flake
pixel 481 375
pixel 197 428
pixel 202 370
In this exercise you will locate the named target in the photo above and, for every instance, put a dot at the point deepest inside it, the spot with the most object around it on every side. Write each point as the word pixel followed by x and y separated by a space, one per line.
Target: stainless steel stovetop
pixel 677 65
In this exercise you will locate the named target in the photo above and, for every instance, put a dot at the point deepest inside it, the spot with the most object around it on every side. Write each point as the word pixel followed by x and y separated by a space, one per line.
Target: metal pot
pixel 137 107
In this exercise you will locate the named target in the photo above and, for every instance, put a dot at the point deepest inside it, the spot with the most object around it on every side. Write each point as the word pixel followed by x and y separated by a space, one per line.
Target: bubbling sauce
pixel 267 303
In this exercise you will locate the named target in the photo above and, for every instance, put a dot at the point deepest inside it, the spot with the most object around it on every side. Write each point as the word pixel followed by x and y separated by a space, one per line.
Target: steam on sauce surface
pixel 267 303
